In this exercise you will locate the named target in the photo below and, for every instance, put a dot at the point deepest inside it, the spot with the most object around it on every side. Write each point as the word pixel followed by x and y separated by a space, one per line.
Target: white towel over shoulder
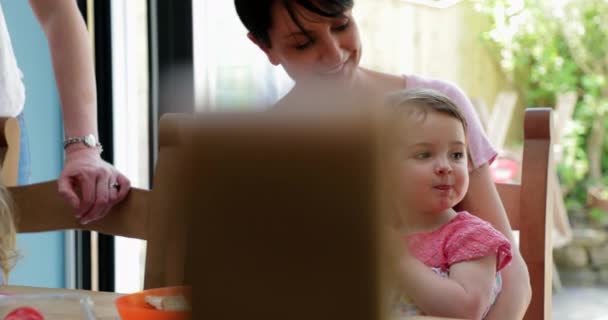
pixel 12 90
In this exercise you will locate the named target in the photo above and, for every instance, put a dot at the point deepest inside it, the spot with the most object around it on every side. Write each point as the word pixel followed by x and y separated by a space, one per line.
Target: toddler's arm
pixel 465 294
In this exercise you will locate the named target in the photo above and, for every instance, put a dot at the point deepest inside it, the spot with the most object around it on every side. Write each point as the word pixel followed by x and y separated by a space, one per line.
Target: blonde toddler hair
pixel 8 232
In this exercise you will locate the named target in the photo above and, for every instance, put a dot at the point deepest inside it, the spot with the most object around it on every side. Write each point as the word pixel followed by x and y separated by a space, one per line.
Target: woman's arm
pixel 72 58
pixel 465 294
pixel 483 200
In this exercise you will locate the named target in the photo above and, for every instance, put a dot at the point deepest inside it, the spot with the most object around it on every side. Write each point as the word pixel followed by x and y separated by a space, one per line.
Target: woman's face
pixel 332 52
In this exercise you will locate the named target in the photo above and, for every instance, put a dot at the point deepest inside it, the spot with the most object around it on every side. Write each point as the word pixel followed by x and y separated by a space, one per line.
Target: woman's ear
pixel 264 48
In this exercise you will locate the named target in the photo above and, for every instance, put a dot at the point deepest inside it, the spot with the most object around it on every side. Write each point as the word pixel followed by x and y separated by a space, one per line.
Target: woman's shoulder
pixel 385 82
pixel 446 87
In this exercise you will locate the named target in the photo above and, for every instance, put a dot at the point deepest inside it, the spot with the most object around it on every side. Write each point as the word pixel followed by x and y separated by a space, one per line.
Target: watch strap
pixel 89 141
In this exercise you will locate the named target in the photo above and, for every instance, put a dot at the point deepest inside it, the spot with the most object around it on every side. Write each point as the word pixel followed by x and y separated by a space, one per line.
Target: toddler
pixel 450 260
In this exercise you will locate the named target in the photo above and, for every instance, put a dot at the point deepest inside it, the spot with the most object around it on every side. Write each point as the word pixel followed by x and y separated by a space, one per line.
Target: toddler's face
pixel 431 161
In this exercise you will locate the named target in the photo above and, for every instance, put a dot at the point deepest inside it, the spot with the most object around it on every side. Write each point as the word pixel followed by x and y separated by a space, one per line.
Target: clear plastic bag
pixel 58 306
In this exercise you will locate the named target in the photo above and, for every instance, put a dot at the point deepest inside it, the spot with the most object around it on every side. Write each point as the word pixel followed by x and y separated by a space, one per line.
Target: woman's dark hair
pixel 257 18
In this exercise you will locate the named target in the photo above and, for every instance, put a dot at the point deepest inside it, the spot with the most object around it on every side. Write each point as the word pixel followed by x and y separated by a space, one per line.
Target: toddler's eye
pixel 457 155
pixel 422 155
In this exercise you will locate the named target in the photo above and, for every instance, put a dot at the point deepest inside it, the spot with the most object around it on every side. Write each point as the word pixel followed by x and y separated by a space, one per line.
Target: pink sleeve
pixel 472 238
pixel 481 150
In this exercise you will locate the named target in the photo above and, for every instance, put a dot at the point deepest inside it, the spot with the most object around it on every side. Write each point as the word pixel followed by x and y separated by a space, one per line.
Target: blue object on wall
pixel 42 263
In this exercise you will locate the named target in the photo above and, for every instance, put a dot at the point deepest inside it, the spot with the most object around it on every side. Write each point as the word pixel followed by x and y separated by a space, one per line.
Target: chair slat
pixel 9 150
pixel 40 208
pixel 528 205
pixel 510 197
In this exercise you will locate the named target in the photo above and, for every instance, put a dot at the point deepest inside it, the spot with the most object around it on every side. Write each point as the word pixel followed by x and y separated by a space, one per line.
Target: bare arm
pixel 465 294
pixel 483 200
pixel 72 58
pixel 72 62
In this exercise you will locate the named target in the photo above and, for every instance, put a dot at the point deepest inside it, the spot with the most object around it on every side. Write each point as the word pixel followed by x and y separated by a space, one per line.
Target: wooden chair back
pixel 564 110
pixel 143 215
pixel 528 204
pixel 9 150
pixel 498 121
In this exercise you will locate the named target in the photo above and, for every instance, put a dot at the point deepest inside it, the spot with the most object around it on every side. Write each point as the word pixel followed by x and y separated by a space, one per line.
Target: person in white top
pixel 100 185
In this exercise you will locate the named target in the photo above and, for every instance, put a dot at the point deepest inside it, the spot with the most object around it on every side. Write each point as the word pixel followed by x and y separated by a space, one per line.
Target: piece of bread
pixel 168 303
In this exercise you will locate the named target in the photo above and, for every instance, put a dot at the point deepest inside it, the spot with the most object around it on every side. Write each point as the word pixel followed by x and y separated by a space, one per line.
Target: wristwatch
pixel 89 140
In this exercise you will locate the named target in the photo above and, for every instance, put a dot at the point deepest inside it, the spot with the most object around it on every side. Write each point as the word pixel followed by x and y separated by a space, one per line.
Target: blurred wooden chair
pixel 284 215
pixel 143 215
pixel 564 109
pixel 528 204
pixel 497 122
pixel 9 150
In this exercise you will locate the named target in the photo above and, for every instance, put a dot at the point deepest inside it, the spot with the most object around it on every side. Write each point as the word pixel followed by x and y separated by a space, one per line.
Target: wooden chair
pixel 284 216
pixel 528 205
pixel 143 215
pixel 498 121
pixel 9 150
pixel 564 109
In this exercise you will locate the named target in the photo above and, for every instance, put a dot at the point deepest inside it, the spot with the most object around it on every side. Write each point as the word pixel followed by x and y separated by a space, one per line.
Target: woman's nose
pixel 332 53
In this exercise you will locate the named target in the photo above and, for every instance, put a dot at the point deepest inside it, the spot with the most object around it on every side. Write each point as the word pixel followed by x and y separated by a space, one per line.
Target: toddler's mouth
pixel 443 187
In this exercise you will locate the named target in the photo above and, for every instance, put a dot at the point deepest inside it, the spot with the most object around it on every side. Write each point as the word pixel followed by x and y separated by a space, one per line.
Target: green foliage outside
pixel 550 47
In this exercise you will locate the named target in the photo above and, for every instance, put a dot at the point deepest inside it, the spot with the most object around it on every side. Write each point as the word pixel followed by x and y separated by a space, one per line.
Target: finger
pixel 115 193
pixel 125 186
pixel 87 186
pixel 113 199
pixel 112 196
pixel 91 219
pixel 100 204
pixel 67 191
pixel 114 187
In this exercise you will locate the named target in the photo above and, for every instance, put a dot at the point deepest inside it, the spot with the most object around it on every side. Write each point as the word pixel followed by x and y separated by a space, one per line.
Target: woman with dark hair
pixel 317 41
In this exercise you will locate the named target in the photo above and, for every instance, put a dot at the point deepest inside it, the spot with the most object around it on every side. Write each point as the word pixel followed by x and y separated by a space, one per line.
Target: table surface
pixel 103 302
pixel 104 306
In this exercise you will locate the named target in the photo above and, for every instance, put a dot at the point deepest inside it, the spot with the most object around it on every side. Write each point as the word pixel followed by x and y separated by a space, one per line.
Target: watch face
pixel 89 140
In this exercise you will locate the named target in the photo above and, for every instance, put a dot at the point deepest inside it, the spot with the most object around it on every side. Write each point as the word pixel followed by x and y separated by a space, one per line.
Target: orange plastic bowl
pixel 134 307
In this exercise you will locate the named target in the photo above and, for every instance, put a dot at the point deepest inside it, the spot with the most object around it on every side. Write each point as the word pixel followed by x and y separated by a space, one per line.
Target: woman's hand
pixel 91 185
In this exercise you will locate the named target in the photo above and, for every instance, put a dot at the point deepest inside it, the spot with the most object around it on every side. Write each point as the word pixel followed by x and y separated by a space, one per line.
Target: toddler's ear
pixel 470 165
